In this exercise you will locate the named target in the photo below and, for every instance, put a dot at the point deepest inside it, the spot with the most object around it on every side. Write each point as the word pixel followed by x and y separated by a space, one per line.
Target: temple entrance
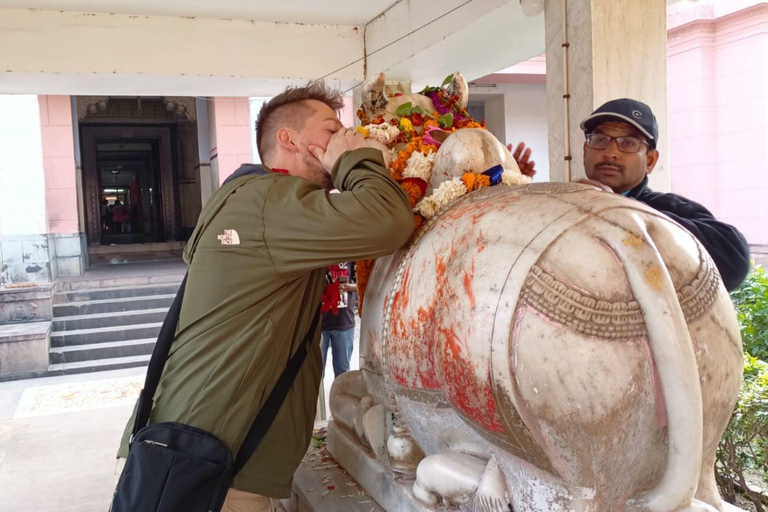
pixel 140 164
pixel 129 192
pixel 128 177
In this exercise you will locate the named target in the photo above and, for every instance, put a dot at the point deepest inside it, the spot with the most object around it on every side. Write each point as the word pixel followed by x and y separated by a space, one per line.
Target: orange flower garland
pixel 363 272
pixel 414 192
pixel 398 165
pixel 474 181
pixel 413 125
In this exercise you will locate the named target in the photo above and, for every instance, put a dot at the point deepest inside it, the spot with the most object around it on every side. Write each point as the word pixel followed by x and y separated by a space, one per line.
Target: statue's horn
pixel 459 87
pixel 373 100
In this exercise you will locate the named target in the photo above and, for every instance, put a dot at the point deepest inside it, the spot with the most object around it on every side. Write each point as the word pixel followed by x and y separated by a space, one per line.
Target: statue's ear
pixel 459 87
pixel 373 100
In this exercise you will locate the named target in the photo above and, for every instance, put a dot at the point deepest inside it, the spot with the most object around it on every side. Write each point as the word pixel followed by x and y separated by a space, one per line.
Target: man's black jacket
pixel 724 243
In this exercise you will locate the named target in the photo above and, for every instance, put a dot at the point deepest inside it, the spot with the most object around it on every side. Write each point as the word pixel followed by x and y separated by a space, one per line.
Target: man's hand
pixel 522 156
pixel 595 184
pixel 340 142
pixel 348 287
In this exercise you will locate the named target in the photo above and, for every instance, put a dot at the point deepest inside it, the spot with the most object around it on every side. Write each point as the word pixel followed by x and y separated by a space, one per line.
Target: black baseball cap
pixel 625 110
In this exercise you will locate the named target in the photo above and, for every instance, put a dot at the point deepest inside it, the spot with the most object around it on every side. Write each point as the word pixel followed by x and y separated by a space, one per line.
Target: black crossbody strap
pixel 157 361
pixel 275 400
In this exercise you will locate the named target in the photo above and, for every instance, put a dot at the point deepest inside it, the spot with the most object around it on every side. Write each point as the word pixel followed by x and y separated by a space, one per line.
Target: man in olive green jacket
pixel 257 261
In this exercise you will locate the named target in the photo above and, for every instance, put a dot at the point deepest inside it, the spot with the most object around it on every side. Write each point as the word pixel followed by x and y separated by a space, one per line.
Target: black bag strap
pixel 157 361
pixel 275 400
pixel 271 405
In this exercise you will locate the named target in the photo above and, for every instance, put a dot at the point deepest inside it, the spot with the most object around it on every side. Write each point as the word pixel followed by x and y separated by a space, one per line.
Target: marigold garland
pixel 363 273
pixel 408 134
pixel 414 192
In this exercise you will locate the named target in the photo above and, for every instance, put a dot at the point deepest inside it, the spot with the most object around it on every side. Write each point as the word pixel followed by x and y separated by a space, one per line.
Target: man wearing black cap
pixel 620 152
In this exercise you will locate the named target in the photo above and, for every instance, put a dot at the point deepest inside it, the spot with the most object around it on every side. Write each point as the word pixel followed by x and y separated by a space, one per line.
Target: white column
pixel 616 49
pixel 22 181
pixel 23 218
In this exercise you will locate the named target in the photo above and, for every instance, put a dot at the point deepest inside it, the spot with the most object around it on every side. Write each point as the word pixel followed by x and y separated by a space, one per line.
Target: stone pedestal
pixel 391 491
pixel 24 348
pixel 320 484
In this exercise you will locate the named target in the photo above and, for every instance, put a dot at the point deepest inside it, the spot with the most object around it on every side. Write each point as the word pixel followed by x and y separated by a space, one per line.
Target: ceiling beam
pixel 54 52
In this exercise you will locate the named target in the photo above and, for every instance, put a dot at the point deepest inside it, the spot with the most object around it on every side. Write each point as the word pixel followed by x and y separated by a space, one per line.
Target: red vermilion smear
pixel 463 389
pixel 469 276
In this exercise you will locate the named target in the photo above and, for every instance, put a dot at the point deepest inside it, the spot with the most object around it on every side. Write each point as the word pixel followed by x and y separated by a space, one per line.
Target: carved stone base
pixel 392 492
pixel 24 348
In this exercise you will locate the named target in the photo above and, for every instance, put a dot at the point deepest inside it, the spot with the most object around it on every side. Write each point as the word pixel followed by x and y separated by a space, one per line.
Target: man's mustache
pixel 610 164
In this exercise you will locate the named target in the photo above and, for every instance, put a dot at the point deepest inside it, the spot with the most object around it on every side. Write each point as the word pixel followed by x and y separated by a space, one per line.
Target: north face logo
pixel 229 237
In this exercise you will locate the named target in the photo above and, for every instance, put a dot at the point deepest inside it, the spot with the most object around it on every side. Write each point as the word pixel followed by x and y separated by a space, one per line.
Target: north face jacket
pixel 257 262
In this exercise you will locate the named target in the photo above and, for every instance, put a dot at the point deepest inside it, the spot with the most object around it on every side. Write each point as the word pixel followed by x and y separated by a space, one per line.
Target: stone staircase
pixel 108 324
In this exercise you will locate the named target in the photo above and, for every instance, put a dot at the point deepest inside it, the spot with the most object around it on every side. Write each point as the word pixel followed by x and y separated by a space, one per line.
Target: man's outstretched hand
pixel 522 156
pixel 340 142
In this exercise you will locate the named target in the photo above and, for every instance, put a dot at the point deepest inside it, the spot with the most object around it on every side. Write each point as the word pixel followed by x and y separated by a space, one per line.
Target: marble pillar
pixel 615 49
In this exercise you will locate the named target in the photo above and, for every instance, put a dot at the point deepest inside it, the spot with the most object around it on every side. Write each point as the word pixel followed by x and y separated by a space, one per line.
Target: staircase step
pixel 115 363
pixel 99 351
pixel 112 277
pixel 96 320
pixel 116 293
pixel 112 305
pixel 105 334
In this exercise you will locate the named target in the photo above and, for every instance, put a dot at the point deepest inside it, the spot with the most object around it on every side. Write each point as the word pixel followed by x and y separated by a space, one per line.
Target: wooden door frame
pixel 89 135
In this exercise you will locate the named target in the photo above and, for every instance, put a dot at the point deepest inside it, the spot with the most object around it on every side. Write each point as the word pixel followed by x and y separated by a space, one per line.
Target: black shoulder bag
pixel 173 467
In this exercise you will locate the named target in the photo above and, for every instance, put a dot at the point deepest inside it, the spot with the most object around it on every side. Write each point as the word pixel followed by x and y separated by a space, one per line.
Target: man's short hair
pixel 285 109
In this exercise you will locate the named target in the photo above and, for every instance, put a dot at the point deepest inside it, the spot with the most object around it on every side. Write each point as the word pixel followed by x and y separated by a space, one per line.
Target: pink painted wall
pixel 718 115
pixel 59 163
pixel 233 138
pixel 348 114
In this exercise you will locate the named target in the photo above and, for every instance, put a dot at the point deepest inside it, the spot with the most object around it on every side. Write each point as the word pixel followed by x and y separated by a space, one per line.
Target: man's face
pixel 316 131
pixel 616 169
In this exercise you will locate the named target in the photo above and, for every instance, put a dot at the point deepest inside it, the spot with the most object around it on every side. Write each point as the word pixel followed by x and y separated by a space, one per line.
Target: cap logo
pixel 637 114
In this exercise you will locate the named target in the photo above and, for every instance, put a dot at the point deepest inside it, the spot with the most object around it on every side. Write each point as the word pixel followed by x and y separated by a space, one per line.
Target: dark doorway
pixel 129 187
pixel 130 191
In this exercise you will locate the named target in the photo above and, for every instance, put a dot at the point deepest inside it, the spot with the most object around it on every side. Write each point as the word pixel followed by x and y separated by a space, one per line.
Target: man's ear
pixel 285 140
pixel 651 158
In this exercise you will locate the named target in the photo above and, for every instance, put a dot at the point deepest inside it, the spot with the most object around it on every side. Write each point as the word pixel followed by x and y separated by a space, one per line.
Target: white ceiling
pixel 336 12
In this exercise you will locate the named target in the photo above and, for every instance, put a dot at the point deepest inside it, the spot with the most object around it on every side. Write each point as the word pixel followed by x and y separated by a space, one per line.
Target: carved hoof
pixel 452 477
pixel 375 430
pixel 492 494
pixel 429 498
pixel 346 393
pixel 362 408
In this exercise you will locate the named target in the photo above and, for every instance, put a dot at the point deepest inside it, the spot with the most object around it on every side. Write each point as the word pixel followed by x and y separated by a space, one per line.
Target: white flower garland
pixel 419 165
pixel 450 190
pixel 510 178
pixel 384 133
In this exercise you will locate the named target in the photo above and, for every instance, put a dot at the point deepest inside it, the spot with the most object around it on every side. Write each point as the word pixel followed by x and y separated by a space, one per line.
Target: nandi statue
pixel 536 347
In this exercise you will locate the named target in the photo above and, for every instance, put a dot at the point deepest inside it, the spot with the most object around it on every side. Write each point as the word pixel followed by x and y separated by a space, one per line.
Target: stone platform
pixel 321 485
pixel 391 491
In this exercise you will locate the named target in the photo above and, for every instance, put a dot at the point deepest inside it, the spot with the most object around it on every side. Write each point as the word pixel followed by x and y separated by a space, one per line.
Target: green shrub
pixel 751 302
pixel 744 446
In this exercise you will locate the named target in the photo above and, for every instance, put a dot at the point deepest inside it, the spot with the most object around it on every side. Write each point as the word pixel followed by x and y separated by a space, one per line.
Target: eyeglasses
pixel 625 144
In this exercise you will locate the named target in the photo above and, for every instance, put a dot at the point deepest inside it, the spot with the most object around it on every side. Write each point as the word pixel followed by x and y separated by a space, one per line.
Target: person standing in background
pixel 339 321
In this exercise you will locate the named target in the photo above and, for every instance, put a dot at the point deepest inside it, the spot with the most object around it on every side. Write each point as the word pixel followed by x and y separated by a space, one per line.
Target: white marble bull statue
pixel 546 347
